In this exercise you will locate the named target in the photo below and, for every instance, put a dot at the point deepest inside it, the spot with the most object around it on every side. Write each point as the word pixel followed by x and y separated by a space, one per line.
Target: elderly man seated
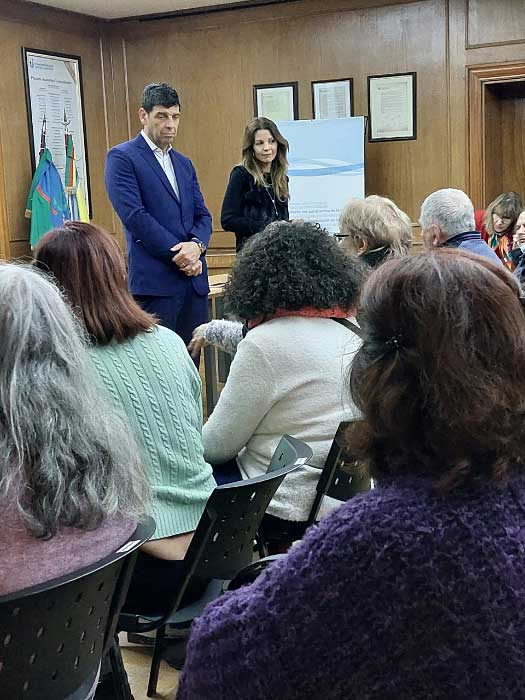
pixel 447 220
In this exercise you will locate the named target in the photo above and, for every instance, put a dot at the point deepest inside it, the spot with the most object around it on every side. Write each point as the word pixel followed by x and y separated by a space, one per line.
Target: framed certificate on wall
pixel 392 107
pixel 277 101
pixel 332 99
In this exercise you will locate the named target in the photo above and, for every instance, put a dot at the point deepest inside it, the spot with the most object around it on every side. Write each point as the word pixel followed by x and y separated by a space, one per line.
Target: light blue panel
pixel 326 167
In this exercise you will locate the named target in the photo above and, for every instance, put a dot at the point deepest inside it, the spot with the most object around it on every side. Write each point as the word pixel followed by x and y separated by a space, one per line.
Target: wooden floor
pixel 137 661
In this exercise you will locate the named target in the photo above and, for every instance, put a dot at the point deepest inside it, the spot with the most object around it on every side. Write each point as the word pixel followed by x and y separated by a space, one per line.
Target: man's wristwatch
pixel 201 245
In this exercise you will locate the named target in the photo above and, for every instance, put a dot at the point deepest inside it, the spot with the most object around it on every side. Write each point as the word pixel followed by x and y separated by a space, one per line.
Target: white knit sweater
pixel 289 376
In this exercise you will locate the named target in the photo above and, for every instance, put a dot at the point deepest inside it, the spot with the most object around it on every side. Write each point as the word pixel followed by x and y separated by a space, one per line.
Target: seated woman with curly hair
pixel 415 589
pixel 288 285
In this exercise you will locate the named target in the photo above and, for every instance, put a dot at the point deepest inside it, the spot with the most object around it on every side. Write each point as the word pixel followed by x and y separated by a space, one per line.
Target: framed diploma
pixel 55 110
pixel 332 99
pixel 277 101
pixel 392 107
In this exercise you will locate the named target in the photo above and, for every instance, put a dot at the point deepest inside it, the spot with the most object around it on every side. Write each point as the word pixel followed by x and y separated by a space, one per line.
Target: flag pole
pixel 43 136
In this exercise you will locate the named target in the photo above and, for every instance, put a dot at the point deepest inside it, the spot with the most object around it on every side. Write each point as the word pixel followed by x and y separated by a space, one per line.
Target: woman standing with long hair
pixel 257 192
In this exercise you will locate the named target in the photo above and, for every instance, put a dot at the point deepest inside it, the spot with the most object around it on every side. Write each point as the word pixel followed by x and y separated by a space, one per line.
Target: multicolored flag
pixel 47 205
pixel 75 196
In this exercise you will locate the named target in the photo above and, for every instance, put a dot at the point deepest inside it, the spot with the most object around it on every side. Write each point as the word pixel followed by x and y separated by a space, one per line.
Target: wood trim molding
pixel 484 45
pixel 5 247
pixel 478 78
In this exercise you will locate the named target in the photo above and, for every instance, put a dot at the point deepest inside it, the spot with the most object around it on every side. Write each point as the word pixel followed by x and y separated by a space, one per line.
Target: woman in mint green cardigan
pixel 148 373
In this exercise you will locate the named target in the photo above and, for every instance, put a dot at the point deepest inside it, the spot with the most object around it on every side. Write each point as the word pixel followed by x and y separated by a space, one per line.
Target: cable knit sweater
pixel 288 376
pixel 401 594
pixel 153 380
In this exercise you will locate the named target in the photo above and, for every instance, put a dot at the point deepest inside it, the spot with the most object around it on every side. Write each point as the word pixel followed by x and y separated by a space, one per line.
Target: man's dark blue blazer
pixel 154 219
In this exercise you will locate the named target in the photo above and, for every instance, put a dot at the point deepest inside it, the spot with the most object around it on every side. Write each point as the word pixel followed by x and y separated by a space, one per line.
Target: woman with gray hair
pixel 71 483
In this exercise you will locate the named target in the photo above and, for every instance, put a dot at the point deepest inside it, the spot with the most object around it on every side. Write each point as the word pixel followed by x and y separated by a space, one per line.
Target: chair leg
pixel 155 661
pixel 261 546
pixel 118 673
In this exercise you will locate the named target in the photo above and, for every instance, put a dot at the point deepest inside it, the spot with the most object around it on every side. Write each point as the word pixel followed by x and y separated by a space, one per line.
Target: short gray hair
pixel 66 456
pixel 449 209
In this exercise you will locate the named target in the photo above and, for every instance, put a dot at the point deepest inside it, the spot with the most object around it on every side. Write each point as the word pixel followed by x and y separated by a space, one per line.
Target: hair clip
pixel 395 341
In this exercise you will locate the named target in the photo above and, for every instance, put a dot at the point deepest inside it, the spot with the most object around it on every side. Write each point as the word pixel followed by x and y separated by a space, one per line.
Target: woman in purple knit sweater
pixel 415 590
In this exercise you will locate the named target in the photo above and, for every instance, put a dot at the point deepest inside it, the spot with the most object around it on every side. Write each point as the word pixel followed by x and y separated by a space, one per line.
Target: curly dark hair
pixel 291 265
pixel 440 377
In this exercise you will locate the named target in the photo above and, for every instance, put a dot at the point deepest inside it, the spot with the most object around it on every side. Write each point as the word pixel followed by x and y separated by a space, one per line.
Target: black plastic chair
pixel 221 546
pixel 53 635
pixel 339 479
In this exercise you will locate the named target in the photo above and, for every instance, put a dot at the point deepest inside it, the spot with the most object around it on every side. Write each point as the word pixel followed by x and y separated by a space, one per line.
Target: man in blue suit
pixel 155 192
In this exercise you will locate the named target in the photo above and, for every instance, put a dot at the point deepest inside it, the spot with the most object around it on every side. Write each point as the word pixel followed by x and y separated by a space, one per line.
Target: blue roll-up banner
pixel 326 167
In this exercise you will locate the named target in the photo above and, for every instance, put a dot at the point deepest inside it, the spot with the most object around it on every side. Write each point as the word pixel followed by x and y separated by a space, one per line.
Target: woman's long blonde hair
pixel 279 167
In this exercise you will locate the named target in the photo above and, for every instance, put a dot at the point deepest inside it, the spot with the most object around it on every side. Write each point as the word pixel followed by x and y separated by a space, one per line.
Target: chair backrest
pixel 340 478
pixel 52 636
pixel 290 451
pixel 223 541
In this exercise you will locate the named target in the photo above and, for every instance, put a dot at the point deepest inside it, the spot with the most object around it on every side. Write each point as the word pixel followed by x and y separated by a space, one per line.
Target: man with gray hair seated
pixel 447 220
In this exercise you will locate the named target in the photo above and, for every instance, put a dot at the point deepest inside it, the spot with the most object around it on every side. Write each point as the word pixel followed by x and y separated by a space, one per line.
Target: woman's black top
pixel 248 208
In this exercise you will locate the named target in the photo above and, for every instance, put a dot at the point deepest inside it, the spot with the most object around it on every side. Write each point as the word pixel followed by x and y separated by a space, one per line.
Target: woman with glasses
pixel 375 229
pixel 496 225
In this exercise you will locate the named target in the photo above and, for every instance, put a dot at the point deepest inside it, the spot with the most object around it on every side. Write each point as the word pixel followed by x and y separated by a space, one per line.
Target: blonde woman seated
pixel 375 229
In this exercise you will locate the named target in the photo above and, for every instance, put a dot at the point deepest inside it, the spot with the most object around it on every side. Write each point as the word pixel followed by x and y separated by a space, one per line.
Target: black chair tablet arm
pixel 53 635
pixel 290 450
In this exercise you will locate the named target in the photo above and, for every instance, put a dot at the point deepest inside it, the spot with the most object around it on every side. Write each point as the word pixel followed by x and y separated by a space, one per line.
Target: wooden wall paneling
pixel 5 247
pixel 116 102
pixel 55 31
pixel 215 59
pixel 20 250
pixel 45 17
pixel 457 95
pixel 491 151
pixel 491 23
pixel 513 142
pixel 151 28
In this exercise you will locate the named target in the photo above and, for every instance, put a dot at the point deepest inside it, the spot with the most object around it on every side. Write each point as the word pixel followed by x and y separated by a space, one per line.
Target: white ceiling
pixel 114 9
